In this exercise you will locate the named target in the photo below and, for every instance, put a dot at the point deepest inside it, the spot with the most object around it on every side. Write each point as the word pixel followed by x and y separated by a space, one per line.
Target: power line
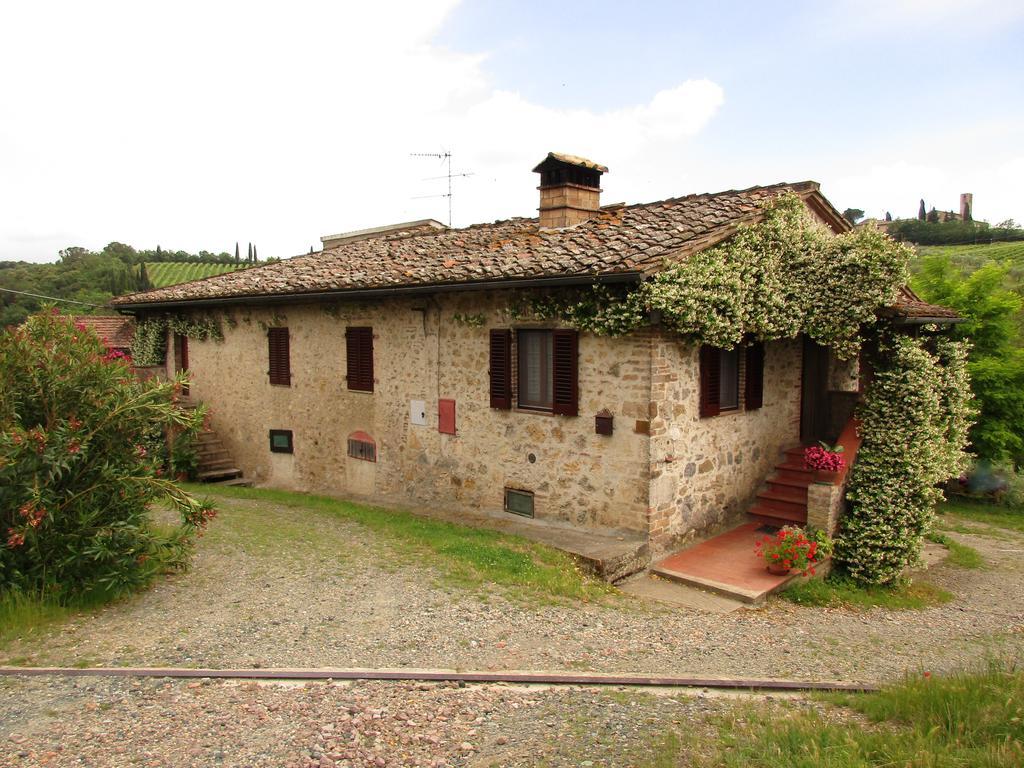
pixel 52 298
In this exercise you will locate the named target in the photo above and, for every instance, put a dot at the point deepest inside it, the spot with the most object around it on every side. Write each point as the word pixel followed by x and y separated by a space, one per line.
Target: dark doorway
pixel 814 422
pixel 181 357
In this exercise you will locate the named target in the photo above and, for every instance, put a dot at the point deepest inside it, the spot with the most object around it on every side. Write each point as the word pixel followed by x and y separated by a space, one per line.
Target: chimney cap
pixel 561 157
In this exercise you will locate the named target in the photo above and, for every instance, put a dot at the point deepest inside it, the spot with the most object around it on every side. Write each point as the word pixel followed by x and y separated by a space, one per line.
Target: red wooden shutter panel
pixel 565 372
pixel 710 380
pixel 753 396
pixel 280 358
pixel 501 368
pixel 359 353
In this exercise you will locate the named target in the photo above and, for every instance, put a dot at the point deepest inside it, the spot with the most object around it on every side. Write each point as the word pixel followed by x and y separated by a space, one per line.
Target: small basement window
pixel 519 502
pixel 281 441
pixel 361 446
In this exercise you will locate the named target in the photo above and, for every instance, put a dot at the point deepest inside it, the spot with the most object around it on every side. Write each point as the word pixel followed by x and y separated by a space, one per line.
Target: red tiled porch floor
pixel 726 564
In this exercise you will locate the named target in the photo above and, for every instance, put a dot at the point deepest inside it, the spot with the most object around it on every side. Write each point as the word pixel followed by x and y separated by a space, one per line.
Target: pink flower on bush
pixel 74 447
pixel 816 457
pixel 14 539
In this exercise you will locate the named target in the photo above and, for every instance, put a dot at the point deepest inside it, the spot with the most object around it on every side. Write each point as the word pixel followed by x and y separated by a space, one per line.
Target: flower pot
pixel 778 569
pixel 826 476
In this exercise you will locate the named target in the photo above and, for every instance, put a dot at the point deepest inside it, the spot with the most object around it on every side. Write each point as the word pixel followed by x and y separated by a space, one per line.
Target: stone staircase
pixel 215 462
pixel 784 498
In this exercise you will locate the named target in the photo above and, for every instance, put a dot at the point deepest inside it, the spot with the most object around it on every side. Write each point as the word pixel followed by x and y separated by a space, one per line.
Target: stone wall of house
pixel 426 349
pixel 706 471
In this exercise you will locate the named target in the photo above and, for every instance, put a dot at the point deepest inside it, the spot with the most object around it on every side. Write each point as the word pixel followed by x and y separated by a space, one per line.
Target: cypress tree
pixel 158 253
pixel 888 216
pixel 255 258
pixel 921 212
pixel 144 283
pixel 933 216
pixel 237 257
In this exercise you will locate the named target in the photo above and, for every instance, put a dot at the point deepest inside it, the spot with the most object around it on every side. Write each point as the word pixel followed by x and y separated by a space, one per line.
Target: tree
pixel 249 257
pixel 888 216
pixel 255 258
pixel 853 215
pixel 144 282
pixel 237 257
pixel 993 315
pixel 921 212
pixel 159 254
pixel 933 216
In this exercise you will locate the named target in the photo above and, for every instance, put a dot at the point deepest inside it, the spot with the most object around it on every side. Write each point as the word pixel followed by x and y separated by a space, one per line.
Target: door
pixel 181 357
pixel 814 393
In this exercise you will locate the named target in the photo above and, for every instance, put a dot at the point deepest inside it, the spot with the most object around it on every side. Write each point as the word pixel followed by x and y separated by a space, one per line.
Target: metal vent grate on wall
pixel 362 449
pixel 519 502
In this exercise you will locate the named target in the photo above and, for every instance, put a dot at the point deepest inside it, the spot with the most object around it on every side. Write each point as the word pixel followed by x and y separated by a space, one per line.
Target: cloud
pixel 198 124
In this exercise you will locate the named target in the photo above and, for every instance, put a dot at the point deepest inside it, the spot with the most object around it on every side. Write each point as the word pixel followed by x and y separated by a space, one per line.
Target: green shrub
pixel 81 459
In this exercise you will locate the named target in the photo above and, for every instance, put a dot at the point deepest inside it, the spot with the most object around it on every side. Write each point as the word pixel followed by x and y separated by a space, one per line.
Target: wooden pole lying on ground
pixel 442 675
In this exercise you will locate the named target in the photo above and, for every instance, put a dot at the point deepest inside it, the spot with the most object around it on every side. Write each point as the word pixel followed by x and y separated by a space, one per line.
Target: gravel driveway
pixel 327 595
pixel 113 722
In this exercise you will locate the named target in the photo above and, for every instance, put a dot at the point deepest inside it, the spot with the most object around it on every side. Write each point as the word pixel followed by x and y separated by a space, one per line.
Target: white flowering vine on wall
pixel 914 421
pixel 784 275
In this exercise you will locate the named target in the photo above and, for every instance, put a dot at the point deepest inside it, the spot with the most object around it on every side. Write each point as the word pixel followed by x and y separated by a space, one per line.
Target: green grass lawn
pixel 983 512
pixel 468 556
pixel 967 719
pixel 841 592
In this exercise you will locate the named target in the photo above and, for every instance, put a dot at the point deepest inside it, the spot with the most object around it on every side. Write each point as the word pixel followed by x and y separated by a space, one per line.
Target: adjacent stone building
pixel 400 365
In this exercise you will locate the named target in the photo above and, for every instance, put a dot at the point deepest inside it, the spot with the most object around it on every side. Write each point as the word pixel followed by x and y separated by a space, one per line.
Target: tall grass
pixel 27 615
pixel 965 719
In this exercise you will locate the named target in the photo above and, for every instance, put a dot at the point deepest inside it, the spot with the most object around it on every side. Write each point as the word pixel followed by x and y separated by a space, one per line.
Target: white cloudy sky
pixel 195 125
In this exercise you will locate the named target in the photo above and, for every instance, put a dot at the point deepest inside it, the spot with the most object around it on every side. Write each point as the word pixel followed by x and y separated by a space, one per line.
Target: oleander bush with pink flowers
pixel 82 459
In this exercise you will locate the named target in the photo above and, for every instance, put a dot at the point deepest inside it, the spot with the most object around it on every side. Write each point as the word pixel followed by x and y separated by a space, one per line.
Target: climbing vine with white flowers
pixel 914 421
pixel 784 275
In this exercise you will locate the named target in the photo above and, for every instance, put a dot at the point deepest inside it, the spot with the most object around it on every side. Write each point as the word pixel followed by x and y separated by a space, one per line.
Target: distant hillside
pixel 972 257
pixel 164 273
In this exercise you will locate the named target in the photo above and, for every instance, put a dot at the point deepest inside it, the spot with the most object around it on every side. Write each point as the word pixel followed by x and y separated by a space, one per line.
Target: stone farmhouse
pixel 392 366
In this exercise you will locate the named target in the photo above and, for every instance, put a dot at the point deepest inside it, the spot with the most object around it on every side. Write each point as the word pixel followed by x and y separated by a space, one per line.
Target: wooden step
pixel 776 516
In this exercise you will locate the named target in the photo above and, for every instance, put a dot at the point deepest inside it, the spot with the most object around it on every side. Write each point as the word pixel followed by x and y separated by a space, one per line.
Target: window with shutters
pixel 547 370
pixel 721 371
pixel 280 360
pixel 359 353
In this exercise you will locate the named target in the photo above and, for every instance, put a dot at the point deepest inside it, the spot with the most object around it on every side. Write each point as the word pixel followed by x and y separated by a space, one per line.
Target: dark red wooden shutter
pixel 753 395
pixel 710 380
pixel 359 351
pixel 280 360
pixel 564 369
pixel 501 368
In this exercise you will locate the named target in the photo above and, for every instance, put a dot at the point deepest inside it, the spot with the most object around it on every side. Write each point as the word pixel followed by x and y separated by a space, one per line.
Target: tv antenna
pixel 446 159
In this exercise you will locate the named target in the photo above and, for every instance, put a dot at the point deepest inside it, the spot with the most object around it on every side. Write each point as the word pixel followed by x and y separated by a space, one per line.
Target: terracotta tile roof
pixel 620 240
pixel 117 332
pixel 910 307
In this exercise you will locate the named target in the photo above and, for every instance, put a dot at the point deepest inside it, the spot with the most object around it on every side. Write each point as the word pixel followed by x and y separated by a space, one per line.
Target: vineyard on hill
pixel 164 273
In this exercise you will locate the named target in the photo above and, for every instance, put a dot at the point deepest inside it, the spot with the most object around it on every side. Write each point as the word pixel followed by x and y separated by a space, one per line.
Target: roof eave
pixel 385 292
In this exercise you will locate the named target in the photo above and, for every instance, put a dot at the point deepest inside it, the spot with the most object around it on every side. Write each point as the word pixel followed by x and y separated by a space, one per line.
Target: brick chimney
pixel 967 206
pixel 570 190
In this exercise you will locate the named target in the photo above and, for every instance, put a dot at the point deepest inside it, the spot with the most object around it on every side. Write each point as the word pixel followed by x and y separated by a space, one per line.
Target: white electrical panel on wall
pixel 418 412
